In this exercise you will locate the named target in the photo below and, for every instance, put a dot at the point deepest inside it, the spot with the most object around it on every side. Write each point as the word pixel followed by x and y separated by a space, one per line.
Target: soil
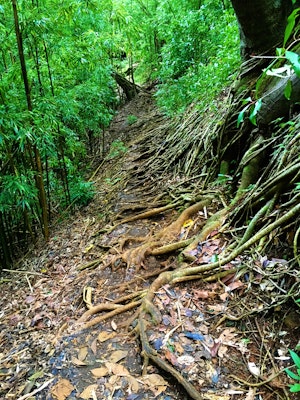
pixel 52 349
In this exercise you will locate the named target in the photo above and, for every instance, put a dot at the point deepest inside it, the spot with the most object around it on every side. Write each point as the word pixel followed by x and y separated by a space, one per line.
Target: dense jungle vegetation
pixel 58 94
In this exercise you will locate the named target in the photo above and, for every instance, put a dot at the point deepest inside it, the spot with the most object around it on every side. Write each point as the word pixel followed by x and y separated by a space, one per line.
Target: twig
pixel 257 384
pixel 17 271
pixel 39 389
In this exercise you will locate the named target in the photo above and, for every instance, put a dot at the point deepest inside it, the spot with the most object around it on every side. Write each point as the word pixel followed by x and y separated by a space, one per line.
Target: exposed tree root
pixel 149 310
pixel 135 257
pixel 126 285
pixel 118 309
pixel 149 354
pixel 146 214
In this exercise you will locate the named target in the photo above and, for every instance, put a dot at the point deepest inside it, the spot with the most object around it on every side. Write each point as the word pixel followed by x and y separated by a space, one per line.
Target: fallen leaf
pixel 216 308
pixel 89 392
pixel 100 372
pixel 227 335
pixel 234 285
pixel 201 294
pixel 253 369
pixel 114 325
pixel 155 382
pixel 103 336
pixel 78 362
pixel 222 350
pixel 62 389
pixel 178 348
pixel 117 355
pixel 117 369
pixel 224 296
pixel 251 394
pixel 171 357
pixel 94 346
pixel 82 353
pixel 133 384
pixel 185 360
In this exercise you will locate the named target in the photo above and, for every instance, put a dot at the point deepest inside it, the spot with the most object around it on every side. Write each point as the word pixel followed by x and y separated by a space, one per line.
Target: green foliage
pixel 70 50
pixel 199 55
pixel 294 59
pixel 252 108
pixel 117 148
pixel 296 376
pixel 191 48
pixel 290 25
pixel 17 193
pixel 81 193
pixel 131 119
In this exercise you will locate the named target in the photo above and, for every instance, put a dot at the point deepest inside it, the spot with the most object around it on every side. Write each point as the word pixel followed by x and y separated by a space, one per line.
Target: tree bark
pixel 261 24
pixel 129 88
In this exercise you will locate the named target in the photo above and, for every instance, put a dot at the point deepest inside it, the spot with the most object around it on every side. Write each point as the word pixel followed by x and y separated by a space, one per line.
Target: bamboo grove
pixel 58 94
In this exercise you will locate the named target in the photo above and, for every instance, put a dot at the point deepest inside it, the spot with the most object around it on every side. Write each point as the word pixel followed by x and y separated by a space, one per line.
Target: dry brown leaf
pixel 62 389
pixel 171 357
pixel 216 308
pixel 89 392
pixel 117 369
pixel 227 335
pixel 103 336
pixel 82 353
pixel 201 294
pixel 113 382
pixel 133 384
pixel 99 372
pixel 118 355
pixel 178 348
pixel 234 285
pixel 78 362
pixel 251 394
pixel 222 351
pixel 224 296
pixel 156 383
pixel 94 346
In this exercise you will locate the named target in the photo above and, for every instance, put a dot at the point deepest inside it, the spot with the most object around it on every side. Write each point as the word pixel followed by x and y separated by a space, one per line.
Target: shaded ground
pixel 208 331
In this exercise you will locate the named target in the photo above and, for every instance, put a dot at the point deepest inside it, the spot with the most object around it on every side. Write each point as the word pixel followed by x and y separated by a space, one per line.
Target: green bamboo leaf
pixel 295 358
pixel 288 90
pixel 241 115
pixel 292 374
pixel 293 58
pixel 295 388
pixel 254 112
pixel 290 25
pixel 247 100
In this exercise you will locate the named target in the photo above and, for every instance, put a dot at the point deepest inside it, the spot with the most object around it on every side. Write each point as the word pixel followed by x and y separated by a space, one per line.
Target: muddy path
pixel 63 335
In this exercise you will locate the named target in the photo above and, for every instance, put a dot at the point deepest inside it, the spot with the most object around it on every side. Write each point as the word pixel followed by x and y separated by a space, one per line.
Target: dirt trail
pixel 46 353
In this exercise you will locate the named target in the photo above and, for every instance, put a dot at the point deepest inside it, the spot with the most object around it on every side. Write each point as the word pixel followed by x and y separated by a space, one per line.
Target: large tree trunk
pixel 261 24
